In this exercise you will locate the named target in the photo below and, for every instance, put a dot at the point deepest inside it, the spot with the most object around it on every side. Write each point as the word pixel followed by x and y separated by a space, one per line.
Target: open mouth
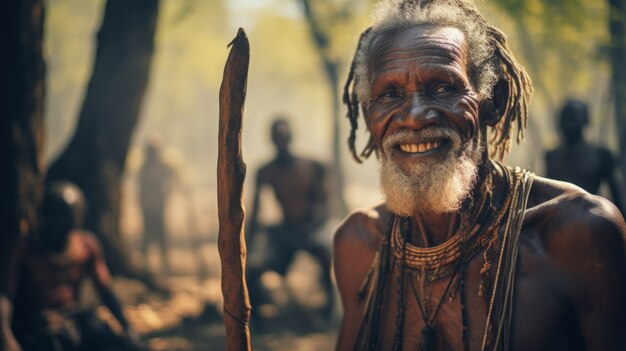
pixel 423 147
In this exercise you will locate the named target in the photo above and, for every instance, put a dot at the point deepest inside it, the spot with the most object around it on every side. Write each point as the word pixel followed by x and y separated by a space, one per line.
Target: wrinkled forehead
pixel 445 44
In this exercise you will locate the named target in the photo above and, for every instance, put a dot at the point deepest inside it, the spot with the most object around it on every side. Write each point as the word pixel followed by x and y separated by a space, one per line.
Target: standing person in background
pixel 299 187
pixel 155 182
pixel 579 162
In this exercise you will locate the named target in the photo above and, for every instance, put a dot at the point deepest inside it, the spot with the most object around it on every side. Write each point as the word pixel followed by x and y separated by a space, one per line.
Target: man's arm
pixel 353 254
pixel 596 259
pixel 9 267
pixel 103 281
pixel 7 339
pixel 252 227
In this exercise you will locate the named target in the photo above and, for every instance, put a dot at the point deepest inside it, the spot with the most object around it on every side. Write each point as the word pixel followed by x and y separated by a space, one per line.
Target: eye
pixel 389 95
pixel 444 89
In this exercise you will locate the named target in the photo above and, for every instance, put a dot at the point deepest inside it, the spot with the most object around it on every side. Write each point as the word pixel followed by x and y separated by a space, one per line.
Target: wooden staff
pixel 231 172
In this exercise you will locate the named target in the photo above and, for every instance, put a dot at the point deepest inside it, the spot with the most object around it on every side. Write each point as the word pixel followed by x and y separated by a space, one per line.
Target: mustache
pixel 430 134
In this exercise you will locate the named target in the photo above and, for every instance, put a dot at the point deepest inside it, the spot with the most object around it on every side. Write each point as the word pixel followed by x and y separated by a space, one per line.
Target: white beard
pixel 429 186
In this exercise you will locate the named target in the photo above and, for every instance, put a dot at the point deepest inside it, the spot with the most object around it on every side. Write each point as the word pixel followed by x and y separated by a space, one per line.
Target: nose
pixel 418 112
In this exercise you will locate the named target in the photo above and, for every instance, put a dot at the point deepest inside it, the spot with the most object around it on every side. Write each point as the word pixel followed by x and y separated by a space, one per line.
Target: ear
pixel 373 141
pixel 492 109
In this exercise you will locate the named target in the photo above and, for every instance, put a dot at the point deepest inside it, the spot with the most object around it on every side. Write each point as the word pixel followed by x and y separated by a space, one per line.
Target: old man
pixel 466 253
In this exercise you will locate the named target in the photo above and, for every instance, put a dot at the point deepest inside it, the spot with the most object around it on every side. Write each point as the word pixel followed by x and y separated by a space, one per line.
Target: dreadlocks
pixel 490 61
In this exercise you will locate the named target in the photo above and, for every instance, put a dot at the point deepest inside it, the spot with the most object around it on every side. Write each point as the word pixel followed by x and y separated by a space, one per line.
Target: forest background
pixel 92 67
pixel 563 45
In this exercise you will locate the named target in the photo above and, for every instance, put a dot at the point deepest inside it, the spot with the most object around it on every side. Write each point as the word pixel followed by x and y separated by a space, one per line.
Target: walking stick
pixel 231 172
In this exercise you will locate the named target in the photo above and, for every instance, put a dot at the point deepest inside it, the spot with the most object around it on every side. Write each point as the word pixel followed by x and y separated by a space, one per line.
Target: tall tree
pixel 332 68
pixel 22 90
pixel 565 31
pixel 96 154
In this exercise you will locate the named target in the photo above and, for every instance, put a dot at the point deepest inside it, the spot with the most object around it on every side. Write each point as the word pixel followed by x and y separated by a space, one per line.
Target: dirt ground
pixel 190 318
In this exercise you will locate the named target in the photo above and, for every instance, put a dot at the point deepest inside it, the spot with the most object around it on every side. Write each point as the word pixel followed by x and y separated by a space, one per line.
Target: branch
pixel 320 38
pixel 231 172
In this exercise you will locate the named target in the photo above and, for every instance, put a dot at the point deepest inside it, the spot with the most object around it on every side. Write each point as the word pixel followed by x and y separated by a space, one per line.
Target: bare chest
pixel 292 181
pixel 456 316
pixel 49 271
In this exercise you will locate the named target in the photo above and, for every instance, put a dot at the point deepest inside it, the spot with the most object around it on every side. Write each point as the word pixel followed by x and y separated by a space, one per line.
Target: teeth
pixel 421 147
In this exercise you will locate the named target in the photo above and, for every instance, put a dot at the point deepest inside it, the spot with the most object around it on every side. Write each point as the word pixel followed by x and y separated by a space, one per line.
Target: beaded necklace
pixel 444 260
pixel 490 237
pixel 439 261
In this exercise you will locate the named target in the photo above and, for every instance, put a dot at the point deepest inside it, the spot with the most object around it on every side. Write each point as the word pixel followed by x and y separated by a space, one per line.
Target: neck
pixel 431 229
pixel 574 140
pixel 283 157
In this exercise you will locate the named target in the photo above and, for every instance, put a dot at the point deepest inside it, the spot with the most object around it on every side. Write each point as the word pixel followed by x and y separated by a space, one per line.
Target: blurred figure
pixel 45 288
pixel 298 185
pixel 155 180
pixel 577 161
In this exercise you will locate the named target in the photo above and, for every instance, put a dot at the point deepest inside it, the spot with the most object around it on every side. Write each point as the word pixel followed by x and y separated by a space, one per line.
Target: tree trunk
pixel 95 157
pixel 331 68
pixel 537 145
pixel 617 27
pixel 21 126
pixel 332 79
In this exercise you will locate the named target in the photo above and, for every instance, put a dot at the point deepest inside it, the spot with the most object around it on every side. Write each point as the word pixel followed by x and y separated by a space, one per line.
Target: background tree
pixel 566 47
pixel 96 154
pixel 325 22
pixel 21 126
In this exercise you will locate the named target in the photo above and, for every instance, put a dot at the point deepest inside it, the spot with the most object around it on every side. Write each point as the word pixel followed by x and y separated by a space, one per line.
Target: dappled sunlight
pixel 175 301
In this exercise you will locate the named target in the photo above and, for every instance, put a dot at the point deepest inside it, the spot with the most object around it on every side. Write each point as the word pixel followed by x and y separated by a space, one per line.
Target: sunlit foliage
pixel 562 43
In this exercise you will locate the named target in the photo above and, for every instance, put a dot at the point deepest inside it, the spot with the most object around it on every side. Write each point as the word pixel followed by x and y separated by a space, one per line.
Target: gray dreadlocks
pixel 490 61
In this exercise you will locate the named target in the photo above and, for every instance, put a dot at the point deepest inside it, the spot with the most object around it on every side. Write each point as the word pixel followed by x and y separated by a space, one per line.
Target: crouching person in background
pixel 42 299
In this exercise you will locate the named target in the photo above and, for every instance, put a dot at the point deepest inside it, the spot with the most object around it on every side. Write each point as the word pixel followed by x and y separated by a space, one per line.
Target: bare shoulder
pixel 581 242
pixel 311 163
pixel 574 225
pixel 89 240
pixel 355 245
pixel 364 227
pixel 264 170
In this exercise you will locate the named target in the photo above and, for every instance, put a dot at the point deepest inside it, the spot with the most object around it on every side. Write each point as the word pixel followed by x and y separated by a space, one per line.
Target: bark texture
pixel 231 172
pixel 331 69
pixel 95 157
pixel 22 70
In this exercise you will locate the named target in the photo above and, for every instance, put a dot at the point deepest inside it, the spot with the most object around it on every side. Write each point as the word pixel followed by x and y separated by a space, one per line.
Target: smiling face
pixel 423 115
